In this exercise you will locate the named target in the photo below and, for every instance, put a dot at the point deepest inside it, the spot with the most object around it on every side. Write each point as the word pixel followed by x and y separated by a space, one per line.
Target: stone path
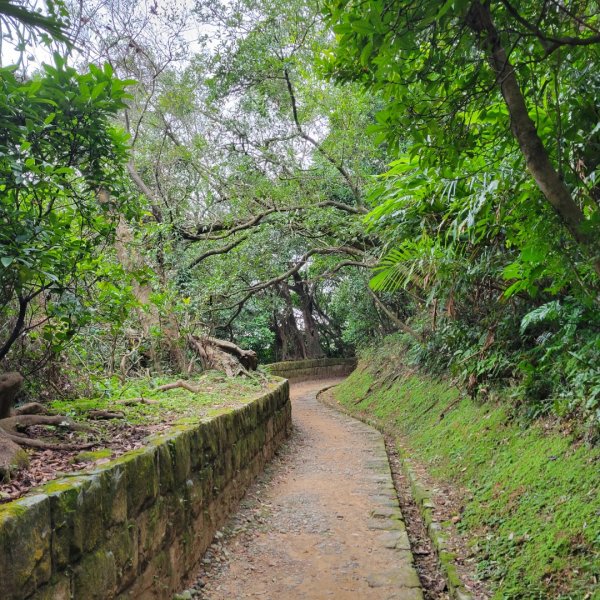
pixel 322 523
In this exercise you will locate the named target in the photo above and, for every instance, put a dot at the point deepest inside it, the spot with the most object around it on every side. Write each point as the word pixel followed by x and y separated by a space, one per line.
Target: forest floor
pixel 138 409
pixel 322 522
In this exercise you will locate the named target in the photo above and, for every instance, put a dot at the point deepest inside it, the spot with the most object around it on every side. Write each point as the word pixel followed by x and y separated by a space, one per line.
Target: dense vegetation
pixel 190 186
pixel 236 170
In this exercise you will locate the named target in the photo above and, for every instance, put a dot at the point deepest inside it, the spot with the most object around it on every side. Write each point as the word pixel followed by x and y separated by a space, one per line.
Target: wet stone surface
pixel 322 522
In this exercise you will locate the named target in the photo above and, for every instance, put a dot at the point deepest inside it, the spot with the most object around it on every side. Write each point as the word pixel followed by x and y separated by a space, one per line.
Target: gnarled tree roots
pixel 14 423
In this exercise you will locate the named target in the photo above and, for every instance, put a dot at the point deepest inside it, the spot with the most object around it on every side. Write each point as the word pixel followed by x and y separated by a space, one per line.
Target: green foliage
pixel 62 193
pixel 465 230
pixel 531 492
pixel 23 25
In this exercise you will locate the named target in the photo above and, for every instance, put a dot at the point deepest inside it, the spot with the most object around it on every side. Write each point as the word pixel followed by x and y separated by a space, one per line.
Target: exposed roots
pixel 134 401
pixel 105 414
pixel 32 408
pixel 22 440
pixel 223 356
pixel 14 425
pixel 179 384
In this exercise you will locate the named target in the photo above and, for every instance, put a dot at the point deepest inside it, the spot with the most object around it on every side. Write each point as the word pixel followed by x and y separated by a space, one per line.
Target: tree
pixel 61 156
pixel 241 151
pixel 441 66
pixel 61 166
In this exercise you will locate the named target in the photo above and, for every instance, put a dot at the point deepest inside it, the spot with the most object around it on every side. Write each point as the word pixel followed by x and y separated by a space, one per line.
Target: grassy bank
pixel 531 510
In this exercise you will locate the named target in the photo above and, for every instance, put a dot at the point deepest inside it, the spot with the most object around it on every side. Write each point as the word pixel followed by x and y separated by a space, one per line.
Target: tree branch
pixel 550 43
pixel 204 230
pixel 251 291
pixel 215 251
pixel 339 166
pixel 394 318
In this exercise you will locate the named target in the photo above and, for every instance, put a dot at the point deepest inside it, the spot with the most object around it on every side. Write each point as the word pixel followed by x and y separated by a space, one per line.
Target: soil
pixel 319 523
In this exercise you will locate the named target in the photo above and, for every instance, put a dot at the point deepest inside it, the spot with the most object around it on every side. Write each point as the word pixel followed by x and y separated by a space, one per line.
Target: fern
pixel 411 263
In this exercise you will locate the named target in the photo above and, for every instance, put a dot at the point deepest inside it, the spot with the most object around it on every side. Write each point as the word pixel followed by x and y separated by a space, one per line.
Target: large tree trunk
pixel 12 457
pixel 311 331
pixel 523 128
pixel 10 384
pixel 222 355
pixel 290 342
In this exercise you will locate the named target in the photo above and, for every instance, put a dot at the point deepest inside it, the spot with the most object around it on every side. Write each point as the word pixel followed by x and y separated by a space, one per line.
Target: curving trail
pixel 323 522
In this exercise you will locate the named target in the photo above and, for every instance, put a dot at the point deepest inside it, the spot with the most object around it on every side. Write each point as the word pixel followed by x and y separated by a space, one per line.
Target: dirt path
pixel 323 522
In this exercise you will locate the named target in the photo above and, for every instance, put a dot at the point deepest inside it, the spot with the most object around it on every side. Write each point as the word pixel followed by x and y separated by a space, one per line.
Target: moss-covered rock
pixel 25 538
pixel 123 543
pixel 71 510
pixel 92 455
pixel 154 529
pixel 59 588
pixel 141 468
pixel 95 578
pixel 180 448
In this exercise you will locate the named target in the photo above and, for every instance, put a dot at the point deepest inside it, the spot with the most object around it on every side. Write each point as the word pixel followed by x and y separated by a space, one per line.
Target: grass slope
pixel 532 507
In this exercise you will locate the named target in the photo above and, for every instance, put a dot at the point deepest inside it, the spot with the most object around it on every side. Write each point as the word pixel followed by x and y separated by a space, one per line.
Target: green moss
pixel 60 485
pixel 92 455
pixel 216 412
pixel 531 511
pixel 178 404
pixel 10 510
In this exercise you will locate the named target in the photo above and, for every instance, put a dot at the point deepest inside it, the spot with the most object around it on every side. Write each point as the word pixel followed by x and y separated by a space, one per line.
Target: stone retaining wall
pixel 137 526
pixel 318 368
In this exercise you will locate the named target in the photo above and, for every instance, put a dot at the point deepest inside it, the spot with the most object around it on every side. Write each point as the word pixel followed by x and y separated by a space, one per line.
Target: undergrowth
pixel 216 390
pixel 531 505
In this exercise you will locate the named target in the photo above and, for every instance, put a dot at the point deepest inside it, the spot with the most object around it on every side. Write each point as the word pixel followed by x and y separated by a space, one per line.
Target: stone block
pixel 69 525
pixel 166 477
pixel 95 578
pixel 59 588
pixel 210 432
pixel 245 419
pixel 151 530
pixel 25 540
pixel 123 544
pixel 142 479
pixel 179 446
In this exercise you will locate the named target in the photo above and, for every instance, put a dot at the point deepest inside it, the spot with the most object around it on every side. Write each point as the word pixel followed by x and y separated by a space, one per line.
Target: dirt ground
pixel 323 522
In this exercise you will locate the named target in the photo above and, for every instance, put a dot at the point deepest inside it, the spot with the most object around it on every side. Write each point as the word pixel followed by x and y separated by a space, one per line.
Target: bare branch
pixel 215 251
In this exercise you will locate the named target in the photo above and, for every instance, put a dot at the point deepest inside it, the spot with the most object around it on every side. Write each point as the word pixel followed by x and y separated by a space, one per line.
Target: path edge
pixel 426 506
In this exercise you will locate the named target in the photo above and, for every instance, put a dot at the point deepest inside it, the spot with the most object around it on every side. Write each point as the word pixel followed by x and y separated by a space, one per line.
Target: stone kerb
pixel 135 527
pixel 318 368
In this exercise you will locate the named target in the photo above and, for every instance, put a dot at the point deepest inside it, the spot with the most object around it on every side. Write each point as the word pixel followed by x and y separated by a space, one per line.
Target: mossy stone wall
pixel 316 368
pixel 137 526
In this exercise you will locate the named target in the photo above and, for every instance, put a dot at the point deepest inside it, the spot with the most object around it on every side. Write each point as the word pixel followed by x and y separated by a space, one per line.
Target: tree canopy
pixel 274 158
